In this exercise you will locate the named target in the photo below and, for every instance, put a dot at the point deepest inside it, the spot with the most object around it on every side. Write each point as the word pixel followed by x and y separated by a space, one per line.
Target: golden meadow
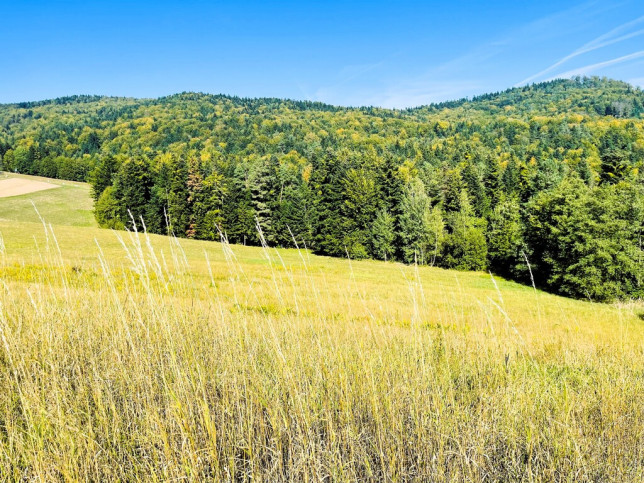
pixel 134 357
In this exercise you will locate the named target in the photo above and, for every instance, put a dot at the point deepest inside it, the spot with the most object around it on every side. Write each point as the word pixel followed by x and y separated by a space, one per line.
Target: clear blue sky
pixel 386 53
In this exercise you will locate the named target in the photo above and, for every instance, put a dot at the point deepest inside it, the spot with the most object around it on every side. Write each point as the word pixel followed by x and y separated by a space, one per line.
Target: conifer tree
pixel 157 210
pixel 465 246
pixel 326 181
pixel 109 211
pixel 263 190
pixel 504 238
pixel 421 227
pixel 383 236
pixel 454 186
pixel 475 189
pixel 511 178
pixel 102 175
pixel 132 185
pixel 178 204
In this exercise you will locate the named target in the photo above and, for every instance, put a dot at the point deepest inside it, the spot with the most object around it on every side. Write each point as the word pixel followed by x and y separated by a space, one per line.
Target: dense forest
pixel 542 184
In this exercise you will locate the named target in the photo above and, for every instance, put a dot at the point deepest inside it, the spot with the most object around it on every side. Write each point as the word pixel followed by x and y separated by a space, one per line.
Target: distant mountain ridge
pixel 590 95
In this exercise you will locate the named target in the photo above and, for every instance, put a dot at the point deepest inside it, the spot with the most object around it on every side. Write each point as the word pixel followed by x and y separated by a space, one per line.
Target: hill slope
pixel 135 358
pixel 586 96
pixel 534 183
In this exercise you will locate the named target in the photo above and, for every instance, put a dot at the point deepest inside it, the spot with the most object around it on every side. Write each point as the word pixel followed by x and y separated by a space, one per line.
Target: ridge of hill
pixel 582 95
pixel 590 95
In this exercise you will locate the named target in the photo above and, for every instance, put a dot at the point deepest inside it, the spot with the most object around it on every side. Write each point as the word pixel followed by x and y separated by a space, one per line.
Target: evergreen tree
pixel 421 227
pixel 238 212
pixel 475 189
pixel 583 241
pixel 101 177
pixel 615 156
pixel 435 235
pixel 195 202
pixel 492 179
pixel 383 236
pixel 109 211
pixel 208 207
pixel 132 184
pixel 157 209
pixel 264 189
pixel 585 173
pixel 360 204
pixel 511 178
pixel 465 246
pixel 326 181
pixel 504 238
pixel 178 204
pixel 454 186
pixel 291 216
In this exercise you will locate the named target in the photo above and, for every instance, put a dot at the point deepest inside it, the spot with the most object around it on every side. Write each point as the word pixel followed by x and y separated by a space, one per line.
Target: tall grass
pixel 132 357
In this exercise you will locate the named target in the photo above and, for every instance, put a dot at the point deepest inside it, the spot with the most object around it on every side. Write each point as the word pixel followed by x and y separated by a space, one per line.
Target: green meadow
pixel 70 204
pixel 128 356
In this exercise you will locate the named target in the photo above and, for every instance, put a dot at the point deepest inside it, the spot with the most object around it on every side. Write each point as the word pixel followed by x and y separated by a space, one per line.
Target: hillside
pixel 542 184
pixel 131 357
pixel 585 96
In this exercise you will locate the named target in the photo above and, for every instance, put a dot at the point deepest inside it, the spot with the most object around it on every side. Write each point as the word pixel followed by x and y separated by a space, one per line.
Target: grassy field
pixel 128 357
pixel 70 204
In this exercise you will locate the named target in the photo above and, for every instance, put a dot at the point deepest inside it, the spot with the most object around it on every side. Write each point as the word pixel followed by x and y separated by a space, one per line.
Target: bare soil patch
pixel 19 186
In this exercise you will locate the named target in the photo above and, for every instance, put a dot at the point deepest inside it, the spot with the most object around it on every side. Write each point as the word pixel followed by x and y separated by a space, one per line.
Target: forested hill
pixel 588 96
pixel 547 177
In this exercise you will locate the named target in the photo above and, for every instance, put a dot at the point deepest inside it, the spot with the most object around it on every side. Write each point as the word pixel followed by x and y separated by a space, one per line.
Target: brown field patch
pixel 20 186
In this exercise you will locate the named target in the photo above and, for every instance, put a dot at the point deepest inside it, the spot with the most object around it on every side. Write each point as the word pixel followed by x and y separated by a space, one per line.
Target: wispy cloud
pixel 603 40
pixel 476 70
pixel 439 83
pixel 351 72
pixel 420 92
pixel 589 69
pixel 541 29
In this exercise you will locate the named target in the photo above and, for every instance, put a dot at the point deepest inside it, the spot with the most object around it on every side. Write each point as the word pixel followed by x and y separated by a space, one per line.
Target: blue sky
pixel 384 53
